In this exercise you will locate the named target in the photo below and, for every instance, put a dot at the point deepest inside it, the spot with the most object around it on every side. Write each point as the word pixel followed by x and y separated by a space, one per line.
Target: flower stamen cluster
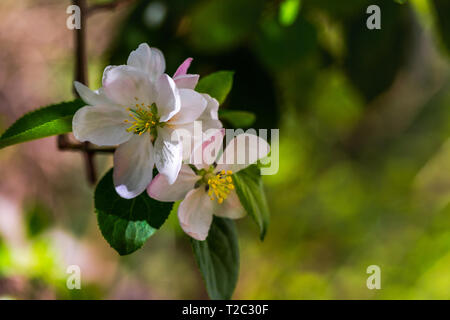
pixel 143 118
pixel 220 185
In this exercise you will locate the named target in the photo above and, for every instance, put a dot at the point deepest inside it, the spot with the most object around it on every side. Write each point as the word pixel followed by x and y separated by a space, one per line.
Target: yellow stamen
pixel 142 119
pixel 220 186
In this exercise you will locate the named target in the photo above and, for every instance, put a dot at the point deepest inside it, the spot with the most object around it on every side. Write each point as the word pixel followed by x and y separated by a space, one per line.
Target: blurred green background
pixel 364 119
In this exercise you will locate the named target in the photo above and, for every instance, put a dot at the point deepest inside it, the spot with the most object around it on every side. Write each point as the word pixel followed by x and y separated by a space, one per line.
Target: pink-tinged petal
pixel 206 151
pixel 242 151
pixel 168 99
pixel 195 214
pixel 187 81
pixel 161 190
pixel 92 98
pixel 128 86
pixel 101 125
pixel 230 208
pixel 168 154
pixel 149 60
pixel 183 68
pixel 133 166
pixel 192 106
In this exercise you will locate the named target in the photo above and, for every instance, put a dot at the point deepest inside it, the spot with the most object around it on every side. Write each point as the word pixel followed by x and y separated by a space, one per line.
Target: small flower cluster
pixel 141 109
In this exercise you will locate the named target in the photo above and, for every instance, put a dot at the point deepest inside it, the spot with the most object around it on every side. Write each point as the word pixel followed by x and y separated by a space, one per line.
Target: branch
pixel 83 147
pixel 106 6
pixel 81 76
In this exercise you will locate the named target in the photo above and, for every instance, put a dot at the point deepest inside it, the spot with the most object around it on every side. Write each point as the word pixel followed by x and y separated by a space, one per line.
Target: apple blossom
pixel 139 108
pixel 209 118
pixel 207 189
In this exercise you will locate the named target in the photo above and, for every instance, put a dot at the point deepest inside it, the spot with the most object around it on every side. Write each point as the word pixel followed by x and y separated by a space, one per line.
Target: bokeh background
pixel 364 119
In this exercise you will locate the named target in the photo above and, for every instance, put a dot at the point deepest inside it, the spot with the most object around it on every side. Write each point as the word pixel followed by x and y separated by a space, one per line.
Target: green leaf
pixel 221 25
pixel 217 84
pixel 218 258
pixel 237 119
pixel 250 190
pixel 127 224
pixel 289 10
pixel 442 8
pixel 48 121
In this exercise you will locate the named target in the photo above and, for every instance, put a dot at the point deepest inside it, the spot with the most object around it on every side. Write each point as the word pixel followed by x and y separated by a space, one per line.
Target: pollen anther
pixel 220 185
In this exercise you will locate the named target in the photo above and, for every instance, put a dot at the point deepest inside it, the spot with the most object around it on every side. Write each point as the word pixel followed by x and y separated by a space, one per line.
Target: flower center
pixel 144 118
pixel 219 185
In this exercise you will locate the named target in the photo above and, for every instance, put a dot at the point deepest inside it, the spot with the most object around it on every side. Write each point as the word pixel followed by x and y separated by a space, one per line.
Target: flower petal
pixel 210 117
pixel 148 60
pixel 133 166
pixel 157 65
pixel 161 190
pixel 212 108
pixel 168 154
pixel 92 98
pixel 230 208
pixel 192 106
pixel 183 68
pixel 187 81
pixel 205 151
pixel 168 99
pixel 101 125
pixel 242 151
pixel 195 214
pixel 127 86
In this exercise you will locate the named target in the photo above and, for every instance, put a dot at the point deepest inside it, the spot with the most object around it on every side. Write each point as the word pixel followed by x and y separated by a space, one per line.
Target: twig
pixel 69 146
pixel 106 6
pixel 81 76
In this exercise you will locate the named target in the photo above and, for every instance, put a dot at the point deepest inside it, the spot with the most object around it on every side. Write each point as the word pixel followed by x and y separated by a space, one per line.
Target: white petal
pixel 212 108
pixel 206 151
pixel 148 60
pixel 92 98
pixel 168 99
pixel 168 154
pixel 210 117
pixel 242 151
pixel 230 208
pixel 192 106
pixel 187 81
pixel 101 125
pixel 128 86
pixel 195 214
pixel 133 166
pixel 161 190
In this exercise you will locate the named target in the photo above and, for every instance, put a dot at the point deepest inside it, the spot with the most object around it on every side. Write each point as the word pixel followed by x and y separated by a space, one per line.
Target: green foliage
pixel 217 85
pixel 379 48
pixel 48 121
pixel 250 190
pixel 289 10
pixel 237 118
pixel 443 22
pixel 281 46
pixel 127 224
pixel 38 218
pixel 218 258
pixel 221 24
